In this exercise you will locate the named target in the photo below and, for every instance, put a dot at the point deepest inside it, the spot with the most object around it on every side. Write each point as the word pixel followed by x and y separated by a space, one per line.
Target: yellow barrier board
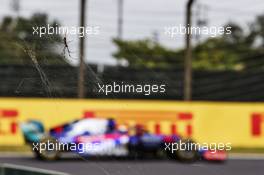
pixel 240 124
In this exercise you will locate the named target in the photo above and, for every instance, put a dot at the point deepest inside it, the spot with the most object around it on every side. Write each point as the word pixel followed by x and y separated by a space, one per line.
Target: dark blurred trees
pixel 16 36
pixel 240 50
pixel 146 53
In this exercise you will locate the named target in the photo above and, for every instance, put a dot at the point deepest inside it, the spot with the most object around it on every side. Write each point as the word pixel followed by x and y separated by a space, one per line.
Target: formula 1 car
pixel 101 137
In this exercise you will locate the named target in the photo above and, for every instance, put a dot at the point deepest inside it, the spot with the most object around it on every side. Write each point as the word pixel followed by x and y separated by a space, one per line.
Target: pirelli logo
pixel 257 123
pixel 8 121
pixel 156 121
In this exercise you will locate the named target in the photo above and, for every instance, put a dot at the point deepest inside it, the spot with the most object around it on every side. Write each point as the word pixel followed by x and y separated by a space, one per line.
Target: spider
pixel 66 47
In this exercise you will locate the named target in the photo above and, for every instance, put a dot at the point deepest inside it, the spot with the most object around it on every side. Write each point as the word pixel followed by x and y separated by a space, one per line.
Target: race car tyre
pixel 135 152
pixel 185 154
pixel 47 149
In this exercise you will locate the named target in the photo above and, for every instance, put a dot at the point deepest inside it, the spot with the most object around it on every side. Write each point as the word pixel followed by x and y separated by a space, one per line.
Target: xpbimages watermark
pixel 145 89
pixel 62 30
pixel 58 146
pixel 212 31
pixel 191 146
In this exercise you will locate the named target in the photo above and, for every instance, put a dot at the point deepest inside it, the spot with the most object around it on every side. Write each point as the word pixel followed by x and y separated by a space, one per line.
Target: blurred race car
pixel 101 137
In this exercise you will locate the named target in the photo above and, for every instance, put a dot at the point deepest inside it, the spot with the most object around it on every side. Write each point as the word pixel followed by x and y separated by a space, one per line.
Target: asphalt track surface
pixel 77 166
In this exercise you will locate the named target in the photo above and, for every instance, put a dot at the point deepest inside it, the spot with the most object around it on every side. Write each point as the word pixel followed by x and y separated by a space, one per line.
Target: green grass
pixel 247 150
pixel 23 148
pixel 26 148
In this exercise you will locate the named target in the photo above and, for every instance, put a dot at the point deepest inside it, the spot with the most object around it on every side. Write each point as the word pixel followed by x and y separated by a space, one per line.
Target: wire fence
pixel 24 81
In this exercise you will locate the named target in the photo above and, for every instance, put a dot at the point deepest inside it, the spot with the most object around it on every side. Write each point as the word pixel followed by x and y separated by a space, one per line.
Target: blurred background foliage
pixel 241 50
pixel 237 51
pixel 16 34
